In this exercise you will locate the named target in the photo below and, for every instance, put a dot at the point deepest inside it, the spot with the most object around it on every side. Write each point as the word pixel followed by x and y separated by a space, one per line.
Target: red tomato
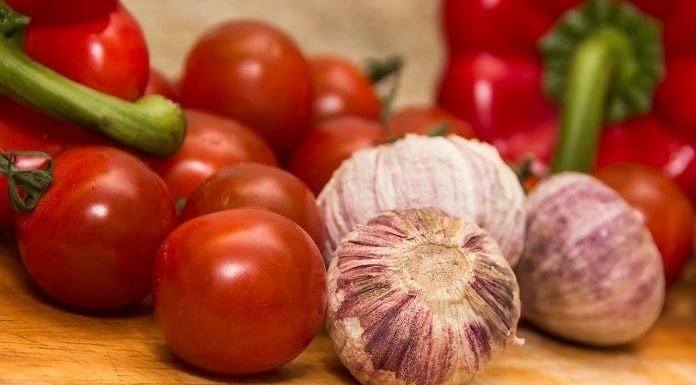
pixel 211 142
pixel 158 84
pixel 341 89
pixel 108 54
pixel 92 239
pixel 330 143
pixel 424 119
pixel 239 291
pixel 7 213
pixel 22 129
pixel 255 74
pixel 261 186
pixel 667 211
pixel 63 11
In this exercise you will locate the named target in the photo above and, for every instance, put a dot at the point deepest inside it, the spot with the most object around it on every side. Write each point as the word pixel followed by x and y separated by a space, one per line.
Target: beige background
pixel 355 28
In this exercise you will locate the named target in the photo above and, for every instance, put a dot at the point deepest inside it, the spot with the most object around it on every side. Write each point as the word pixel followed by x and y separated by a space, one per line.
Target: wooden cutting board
pixel 42 343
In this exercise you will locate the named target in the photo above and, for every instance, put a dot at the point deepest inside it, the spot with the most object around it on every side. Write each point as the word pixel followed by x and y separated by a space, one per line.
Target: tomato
pixel 667 211
pixel 108 54
pixel 158 84
pixel 239 291
pixel 341 89
pixel 92 239
pixel 63 11
pixel 424 119
pixel 211 142
pixel 7 213
pixel 261 186
pixel 330 143
pixel 22 129
pixel 254 73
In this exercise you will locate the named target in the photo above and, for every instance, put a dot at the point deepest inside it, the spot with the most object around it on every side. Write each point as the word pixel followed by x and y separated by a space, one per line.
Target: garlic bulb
pixel 462 177
pixel 420 297
pixel 590 272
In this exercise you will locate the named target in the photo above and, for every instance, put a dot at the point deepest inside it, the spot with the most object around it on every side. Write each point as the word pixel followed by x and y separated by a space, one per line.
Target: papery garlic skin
pixel 463 177
pixel 590 272
pixel 420 297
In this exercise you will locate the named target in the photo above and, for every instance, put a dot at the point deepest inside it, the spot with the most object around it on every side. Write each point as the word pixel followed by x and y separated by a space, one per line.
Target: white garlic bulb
pixel 420 297
pixel 462 177
pixel 590 272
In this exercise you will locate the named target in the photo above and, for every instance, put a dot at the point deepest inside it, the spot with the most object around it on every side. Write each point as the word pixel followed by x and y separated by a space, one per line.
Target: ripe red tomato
pixel 330 143
pixel 211 142
pixel 340 88
pixel 22 129
pixel 254 73
pixel 7 213
pixel 667 211
pixel 158 84
pixel 239 291
pixel 92 239
pixel 63 11
pixel 424 119
pixel 261 186
pixel 108 54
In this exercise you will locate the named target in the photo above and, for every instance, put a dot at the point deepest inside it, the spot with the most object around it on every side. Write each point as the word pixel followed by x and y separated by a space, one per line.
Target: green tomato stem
pixel 25 187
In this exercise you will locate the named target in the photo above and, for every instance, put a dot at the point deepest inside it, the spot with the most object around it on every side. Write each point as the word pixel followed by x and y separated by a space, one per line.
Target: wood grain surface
pixel 42 343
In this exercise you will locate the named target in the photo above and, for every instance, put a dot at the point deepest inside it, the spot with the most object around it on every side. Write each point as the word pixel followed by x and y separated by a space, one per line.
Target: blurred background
pixel 357 29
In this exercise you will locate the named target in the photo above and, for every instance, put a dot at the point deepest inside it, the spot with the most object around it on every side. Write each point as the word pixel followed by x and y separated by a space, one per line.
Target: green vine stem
pixel 25 187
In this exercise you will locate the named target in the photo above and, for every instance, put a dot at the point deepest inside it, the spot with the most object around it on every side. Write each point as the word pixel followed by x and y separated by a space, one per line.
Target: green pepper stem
pixel 589 82
pixel 151 124
pixel 602 63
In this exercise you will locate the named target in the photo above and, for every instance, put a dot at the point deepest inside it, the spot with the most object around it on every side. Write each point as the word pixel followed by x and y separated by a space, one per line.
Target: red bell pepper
pixel 101 54
pixel 623 73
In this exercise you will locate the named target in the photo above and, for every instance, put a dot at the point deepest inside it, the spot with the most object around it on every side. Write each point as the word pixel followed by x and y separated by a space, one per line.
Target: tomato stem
pixel 387 102
pixel 151 124
pixel 376 70
pixel 439 130
pixel 30 183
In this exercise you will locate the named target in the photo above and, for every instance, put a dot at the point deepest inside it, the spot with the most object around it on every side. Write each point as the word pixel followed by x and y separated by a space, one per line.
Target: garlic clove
pixel 420 297
pixel 462 177
pixel 590 272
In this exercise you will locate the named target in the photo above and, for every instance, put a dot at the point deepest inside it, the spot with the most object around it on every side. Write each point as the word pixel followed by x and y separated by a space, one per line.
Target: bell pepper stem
pixel 589 82
pixel 151 124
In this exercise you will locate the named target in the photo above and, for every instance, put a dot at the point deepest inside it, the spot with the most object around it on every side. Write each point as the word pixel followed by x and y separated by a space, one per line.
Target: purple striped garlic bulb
pixel 420 297
pixel 590 271
pixel 466 178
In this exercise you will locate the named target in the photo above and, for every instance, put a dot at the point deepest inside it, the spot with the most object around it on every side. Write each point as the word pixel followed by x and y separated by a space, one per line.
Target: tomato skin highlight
pixel 666 210
pixel 341 89
pixel 92 239
pixel 260 186
pixel 239 291
pixel 108 54
pixel 211 142
pixel 253 73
